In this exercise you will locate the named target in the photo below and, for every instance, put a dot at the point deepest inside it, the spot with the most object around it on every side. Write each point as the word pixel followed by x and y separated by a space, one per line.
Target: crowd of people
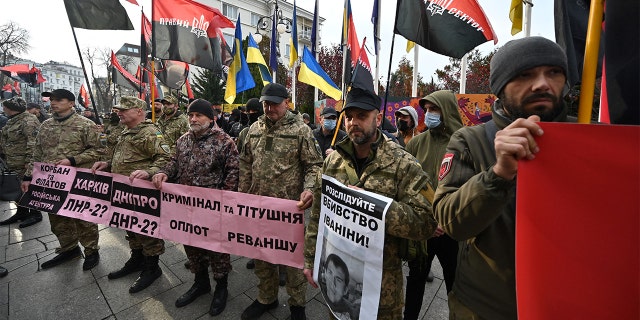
pixel 452 187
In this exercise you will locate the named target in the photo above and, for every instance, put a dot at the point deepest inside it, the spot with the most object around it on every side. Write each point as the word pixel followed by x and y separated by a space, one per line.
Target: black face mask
pixel 402 125
pixel 253 117
pixel 113 117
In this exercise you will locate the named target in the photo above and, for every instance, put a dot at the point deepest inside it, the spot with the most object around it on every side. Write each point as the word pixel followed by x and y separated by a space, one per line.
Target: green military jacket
pixel 279 160
pixel 17 140
pixel 139 148
pixel 74 137
pixel 392 172
pixel 173 127
pixel 112 132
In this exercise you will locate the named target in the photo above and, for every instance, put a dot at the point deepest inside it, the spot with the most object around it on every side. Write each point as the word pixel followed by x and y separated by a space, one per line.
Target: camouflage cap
pixel 169 99
pixel 129 102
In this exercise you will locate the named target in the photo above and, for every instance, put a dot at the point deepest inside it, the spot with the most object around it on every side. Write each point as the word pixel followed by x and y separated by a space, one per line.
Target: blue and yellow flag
pixel 255 56
pixel 293 42
pixel 312 74
pixel 239 78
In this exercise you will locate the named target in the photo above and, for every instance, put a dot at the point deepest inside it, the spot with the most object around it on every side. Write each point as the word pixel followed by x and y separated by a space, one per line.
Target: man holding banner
pixel 367 160
pixel 140 153
pixel 476 195
pixel 205 157
pixel 278 158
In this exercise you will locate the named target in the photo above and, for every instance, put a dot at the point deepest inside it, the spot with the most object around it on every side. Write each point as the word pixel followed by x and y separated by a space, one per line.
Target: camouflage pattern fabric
pixel 70 231
pixel 173 127
pixel 17 139
pixel 392 172
pixel 140 148
pixel 149 246
pixel 112 132
pixel 279 160
pixel 200 259
pixel 208 161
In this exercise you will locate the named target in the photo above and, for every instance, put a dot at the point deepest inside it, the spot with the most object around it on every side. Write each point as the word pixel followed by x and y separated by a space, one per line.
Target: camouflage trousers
pixel 150 246
pixel 391 295
pixel 268 286
pixel 201 258
pixel 458 311
pixel 70 231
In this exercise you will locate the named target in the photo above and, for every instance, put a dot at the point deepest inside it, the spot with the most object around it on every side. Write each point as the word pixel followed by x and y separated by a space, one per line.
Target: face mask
pixel 432 120
pixel 113 118
pixel 402 125
pixel 329 124
pixel 253 117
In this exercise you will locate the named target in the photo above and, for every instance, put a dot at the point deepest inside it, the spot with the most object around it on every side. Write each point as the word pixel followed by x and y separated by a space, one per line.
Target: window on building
pixel 230 11
pixel 230 40
pixel 306 32
pixel 254 19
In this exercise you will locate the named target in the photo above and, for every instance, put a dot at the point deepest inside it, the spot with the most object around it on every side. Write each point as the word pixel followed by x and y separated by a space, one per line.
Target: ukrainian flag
pixel 312 74
pixel 293 42
pixel 239 78
pixel 255 56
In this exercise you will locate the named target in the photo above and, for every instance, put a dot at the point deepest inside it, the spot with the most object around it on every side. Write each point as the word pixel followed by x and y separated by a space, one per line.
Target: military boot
pixel 149 274
pixel 200 286
pixel 297 313
pixel 220 296
pixel 134 264
pixel 22 213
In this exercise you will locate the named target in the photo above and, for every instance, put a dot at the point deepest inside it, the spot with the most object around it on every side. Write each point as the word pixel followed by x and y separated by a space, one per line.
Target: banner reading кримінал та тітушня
pixel 253 226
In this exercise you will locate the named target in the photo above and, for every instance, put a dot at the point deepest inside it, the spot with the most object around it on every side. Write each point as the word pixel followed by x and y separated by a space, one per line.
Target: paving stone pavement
pixel 68 292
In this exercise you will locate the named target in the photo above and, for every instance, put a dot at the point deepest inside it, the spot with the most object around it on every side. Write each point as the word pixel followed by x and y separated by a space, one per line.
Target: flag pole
pixel 528 4
pixel 376 38
pixel 386 91
pixel 414 82
pixel 463 74
pixel 84 70
pixel 152 83
pixel 590 61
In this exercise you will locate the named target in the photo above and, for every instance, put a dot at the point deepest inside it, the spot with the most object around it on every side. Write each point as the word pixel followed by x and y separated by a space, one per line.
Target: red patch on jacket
pixel 445 167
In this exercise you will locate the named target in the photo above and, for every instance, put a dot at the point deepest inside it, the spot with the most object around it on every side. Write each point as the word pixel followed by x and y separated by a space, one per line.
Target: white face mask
pixel 432 120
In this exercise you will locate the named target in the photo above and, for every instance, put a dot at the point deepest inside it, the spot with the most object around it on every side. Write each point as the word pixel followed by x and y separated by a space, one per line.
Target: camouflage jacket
pixel 17 139
pixel 279 160
pixel 139 148
pixel 208 161
pixel 389 171
pixel 112 132
pixel 74 137
pixel 173 127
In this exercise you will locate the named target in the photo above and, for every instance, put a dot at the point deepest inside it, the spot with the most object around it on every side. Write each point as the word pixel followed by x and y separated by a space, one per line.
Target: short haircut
pixel 338 262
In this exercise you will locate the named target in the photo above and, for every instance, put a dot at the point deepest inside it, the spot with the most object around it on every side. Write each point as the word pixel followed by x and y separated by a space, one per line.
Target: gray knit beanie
pixel 522 54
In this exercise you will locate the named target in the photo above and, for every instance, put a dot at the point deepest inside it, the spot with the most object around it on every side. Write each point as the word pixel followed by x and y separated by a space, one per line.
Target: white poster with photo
pixel 349 249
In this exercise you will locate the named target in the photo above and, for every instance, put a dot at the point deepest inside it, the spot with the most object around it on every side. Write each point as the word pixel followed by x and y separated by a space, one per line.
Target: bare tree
pixel 97 58
pixel 14 40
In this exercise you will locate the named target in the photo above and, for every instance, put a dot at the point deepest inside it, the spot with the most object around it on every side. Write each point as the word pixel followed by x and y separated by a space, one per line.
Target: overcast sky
pixel 51 37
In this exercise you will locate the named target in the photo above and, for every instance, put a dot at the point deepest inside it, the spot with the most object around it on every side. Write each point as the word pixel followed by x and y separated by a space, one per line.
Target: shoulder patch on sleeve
pixel 445 167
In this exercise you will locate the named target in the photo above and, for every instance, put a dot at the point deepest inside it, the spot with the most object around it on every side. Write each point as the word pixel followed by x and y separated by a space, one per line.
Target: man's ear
pixel 379 119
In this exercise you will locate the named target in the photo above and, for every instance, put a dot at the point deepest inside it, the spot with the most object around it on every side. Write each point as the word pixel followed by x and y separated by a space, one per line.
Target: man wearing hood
pixel 442 119
pixel 406 122
pixel 278 158
pixel 476 196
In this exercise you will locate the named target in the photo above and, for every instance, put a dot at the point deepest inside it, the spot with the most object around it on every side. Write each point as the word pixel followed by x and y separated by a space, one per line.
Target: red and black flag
pixel 83 97
pixel 121 76
pixel 145 40
pixel 451 28
pixel 172 74
pixel 97 15
pixel 186 30
pixel 22 73
pixel 362 77
pixel 350 40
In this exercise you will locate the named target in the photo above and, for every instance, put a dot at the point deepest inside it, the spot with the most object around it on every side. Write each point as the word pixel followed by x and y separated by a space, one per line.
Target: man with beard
pixel 367 160
pixel 68 139
pixel 172 122
pixel 205 157
pixel 139 154
pixel 475 199
pixel 278 158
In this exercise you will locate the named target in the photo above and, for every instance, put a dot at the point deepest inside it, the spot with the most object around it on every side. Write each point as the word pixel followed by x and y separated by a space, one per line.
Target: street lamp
pixel 264 24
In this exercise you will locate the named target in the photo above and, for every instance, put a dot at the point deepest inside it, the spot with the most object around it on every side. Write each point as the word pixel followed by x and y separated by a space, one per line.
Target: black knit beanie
pixel 15 104
pixel 201 106
pixel 522 54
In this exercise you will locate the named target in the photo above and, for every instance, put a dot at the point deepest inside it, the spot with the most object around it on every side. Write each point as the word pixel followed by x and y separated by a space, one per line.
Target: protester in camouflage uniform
pixel 113 128
pixel 369 161
pixel 16 146
pixel 205 157
pixel 172 123
pixel 68 139
pixel 140 153
pixel 36 110
pixel 278 158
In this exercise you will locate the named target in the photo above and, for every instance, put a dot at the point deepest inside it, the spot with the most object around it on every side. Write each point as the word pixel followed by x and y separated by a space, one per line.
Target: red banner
pixel 578 222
